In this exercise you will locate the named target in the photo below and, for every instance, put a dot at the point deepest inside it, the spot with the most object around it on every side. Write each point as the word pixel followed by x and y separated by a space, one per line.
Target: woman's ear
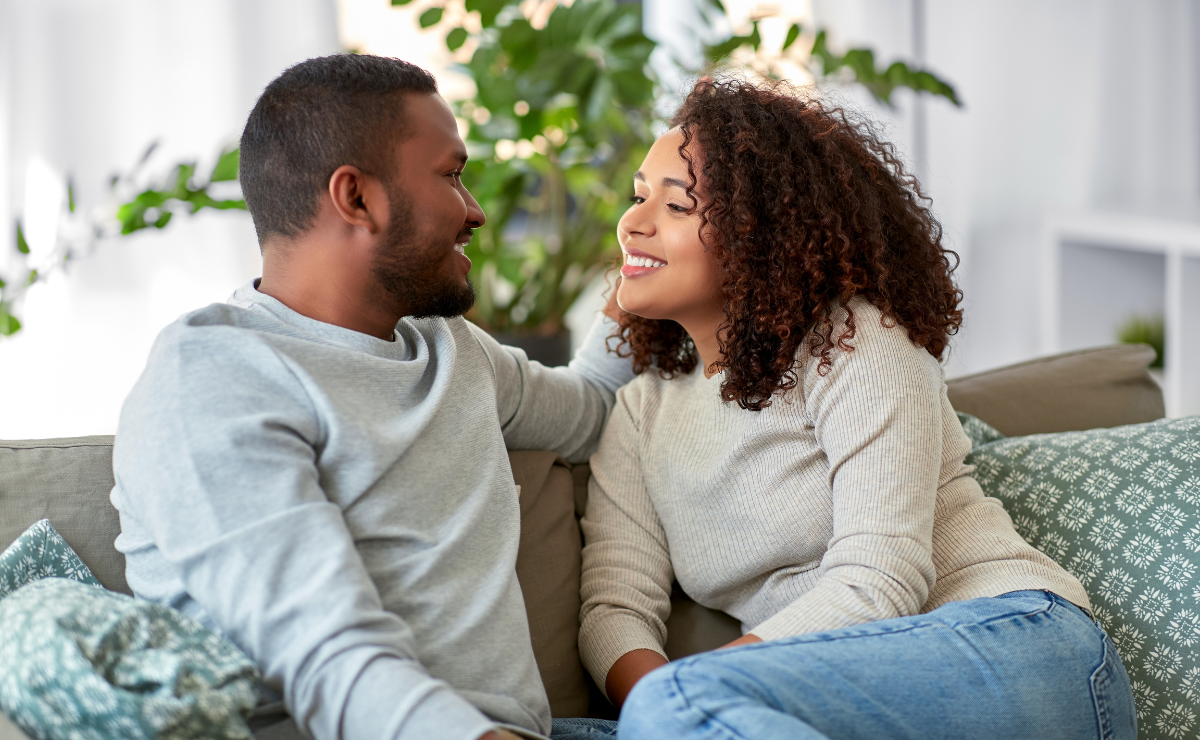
pixel 359 198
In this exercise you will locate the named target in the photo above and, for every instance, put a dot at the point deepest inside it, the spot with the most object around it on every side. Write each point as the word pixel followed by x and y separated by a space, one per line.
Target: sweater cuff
pixel 602 641
pixel 427 710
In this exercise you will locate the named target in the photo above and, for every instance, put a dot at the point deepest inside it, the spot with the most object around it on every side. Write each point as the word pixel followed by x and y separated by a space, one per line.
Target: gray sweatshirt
pixel 342 507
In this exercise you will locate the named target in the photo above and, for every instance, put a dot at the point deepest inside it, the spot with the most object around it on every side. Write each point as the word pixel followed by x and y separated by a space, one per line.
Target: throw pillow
pixel 79 662
pixel 1120 509
pixel 40 553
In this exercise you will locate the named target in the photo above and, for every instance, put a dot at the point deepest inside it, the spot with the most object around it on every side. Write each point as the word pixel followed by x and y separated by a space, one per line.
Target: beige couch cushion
pixel 66 481
pixel 548 565
pixel 1087 389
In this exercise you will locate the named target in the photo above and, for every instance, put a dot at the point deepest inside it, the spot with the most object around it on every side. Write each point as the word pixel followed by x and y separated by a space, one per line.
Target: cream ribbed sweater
pixel 844 502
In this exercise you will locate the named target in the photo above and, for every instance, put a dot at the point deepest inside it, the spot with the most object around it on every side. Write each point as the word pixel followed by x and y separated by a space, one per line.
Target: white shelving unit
pixel 1100 269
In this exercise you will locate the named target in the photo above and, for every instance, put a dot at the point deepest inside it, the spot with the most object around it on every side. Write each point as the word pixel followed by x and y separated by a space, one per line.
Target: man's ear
pixel 359 198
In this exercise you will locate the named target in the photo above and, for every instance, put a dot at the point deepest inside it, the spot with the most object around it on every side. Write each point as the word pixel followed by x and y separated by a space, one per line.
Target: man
pixel 318 467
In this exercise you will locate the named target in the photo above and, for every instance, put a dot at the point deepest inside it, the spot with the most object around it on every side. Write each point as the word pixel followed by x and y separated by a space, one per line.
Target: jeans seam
pixel 1101 677
pixel 683 698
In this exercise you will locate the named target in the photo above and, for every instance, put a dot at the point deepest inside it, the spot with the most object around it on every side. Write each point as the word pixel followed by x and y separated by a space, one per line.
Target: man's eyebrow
pixel 671 182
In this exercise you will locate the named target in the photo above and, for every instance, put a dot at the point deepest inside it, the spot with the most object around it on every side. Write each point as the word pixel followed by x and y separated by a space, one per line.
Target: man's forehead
pixel 430 128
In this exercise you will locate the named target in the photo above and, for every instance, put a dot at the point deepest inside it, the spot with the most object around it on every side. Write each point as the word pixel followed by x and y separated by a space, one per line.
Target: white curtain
pixel 85 86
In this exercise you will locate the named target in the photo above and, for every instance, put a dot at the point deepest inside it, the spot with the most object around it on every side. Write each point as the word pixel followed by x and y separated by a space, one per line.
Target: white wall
pixel 85 85
pixel 1069 105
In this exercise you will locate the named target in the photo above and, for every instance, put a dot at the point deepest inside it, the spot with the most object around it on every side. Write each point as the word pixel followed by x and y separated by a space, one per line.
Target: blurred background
pixel 1058 139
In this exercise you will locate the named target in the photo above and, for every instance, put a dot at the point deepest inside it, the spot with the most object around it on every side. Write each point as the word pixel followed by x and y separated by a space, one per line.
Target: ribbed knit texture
pixel 844 502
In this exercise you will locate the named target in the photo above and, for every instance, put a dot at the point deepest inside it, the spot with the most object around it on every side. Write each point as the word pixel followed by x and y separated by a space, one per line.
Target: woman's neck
pixel 703 332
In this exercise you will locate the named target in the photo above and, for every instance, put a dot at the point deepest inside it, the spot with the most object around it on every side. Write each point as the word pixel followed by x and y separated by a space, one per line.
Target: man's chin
pixel 447 303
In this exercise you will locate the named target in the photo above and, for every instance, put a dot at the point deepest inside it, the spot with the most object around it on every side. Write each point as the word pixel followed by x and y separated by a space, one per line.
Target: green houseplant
pixel 563 114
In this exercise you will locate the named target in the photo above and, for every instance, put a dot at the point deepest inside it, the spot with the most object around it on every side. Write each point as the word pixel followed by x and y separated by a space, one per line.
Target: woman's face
pixel 668 273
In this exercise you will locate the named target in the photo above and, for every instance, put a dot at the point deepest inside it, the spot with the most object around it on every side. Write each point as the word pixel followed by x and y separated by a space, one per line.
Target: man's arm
pixel 560 408
pixel 216 458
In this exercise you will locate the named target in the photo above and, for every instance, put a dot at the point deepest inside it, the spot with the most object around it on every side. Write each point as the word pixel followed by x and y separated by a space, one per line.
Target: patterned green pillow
pixel 82 663
pixel 40 553
pixel 1120 509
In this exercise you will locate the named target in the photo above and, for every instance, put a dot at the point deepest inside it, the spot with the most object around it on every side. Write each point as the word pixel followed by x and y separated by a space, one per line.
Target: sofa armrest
pixel 9 731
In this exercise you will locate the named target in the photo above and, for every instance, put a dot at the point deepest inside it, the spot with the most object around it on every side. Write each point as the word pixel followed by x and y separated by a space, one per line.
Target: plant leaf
pixel 22 245
pixel 9 324
pixel 456 38
pixel 792 34
pixel 401 2
pixel 431 17
pixel 226 168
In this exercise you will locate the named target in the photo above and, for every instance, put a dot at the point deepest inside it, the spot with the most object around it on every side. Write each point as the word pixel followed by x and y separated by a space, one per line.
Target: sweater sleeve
pixel 557 408
pixel 627 573
pixel 877 417
pixel 216 458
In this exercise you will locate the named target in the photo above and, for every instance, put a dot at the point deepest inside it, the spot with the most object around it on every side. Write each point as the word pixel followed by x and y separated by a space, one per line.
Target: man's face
pixel 420 261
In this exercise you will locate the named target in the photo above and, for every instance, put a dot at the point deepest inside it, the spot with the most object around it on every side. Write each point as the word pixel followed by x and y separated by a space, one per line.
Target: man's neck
pixel 323 283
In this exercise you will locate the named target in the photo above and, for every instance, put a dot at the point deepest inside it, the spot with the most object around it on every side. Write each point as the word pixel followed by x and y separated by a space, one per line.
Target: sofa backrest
pixel 1087 389
pixel 68 482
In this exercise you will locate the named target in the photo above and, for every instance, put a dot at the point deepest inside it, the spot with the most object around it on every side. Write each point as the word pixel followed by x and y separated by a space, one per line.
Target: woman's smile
pixel 638 264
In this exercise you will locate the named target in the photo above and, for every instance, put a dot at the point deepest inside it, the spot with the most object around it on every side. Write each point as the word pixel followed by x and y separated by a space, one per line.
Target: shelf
pixel 1101 269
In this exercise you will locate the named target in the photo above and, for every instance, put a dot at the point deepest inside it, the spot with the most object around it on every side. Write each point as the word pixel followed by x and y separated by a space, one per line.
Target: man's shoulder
pixel 215 344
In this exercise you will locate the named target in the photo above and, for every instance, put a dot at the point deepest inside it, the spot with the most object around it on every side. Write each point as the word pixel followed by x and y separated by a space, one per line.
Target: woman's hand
pixel 611 309
pixel 746 639
pixel 627 671
pixel 499 735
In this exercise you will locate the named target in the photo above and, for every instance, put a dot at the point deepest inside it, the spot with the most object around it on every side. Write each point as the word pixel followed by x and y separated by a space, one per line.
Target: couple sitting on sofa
pixel 318 468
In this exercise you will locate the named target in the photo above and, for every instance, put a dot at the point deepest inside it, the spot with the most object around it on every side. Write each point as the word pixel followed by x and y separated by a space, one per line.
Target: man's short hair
pixel 315 117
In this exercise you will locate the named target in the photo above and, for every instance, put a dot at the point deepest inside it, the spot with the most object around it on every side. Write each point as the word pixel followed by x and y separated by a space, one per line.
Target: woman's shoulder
pixel 878 344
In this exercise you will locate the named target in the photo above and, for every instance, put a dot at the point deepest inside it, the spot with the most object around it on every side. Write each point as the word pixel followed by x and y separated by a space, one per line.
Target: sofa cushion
pixel 67 481
pixel 1120 509
pixel 40 553
pixel 548 566
pixel 80 662
pixel 1091 388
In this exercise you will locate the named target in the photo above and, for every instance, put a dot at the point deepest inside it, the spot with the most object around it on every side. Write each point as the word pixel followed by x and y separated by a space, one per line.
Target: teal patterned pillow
pixel 82 663
pixel 40 553
pixel 1120 509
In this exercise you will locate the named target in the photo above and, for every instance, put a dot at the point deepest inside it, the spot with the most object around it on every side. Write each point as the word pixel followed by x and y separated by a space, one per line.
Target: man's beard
pixel 414 273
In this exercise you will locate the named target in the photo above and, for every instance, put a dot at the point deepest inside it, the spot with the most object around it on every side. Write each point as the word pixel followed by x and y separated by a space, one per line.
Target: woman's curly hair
pixel 806 209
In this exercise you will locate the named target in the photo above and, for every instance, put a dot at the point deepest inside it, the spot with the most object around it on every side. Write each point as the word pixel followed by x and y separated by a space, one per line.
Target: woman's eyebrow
pixel 666 181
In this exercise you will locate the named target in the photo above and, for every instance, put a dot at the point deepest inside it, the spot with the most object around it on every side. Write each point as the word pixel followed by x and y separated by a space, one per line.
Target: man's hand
pixel 499 735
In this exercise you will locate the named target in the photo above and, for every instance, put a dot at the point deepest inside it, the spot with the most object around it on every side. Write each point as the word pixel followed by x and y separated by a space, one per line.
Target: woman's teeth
pixel 643 261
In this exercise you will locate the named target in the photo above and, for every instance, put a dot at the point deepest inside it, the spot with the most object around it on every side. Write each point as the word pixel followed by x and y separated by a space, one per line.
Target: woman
pixel 788 454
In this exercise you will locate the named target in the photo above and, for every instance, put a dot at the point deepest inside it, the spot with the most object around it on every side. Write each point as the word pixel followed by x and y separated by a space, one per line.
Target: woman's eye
pixel 677 208
pixel 637 200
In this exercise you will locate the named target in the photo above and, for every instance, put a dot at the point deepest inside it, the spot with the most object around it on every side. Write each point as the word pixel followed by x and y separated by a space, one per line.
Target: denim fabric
pixel 1024 665
pixel 583 728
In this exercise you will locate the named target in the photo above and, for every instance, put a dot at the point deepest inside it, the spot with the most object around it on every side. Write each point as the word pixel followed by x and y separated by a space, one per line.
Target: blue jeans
pixel 1023 665
pixel 583 728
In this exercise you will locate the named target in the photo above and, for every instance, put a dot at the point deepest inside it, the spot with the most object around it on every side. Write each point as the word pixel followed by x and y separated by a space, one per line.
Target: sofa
pixel 68 481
